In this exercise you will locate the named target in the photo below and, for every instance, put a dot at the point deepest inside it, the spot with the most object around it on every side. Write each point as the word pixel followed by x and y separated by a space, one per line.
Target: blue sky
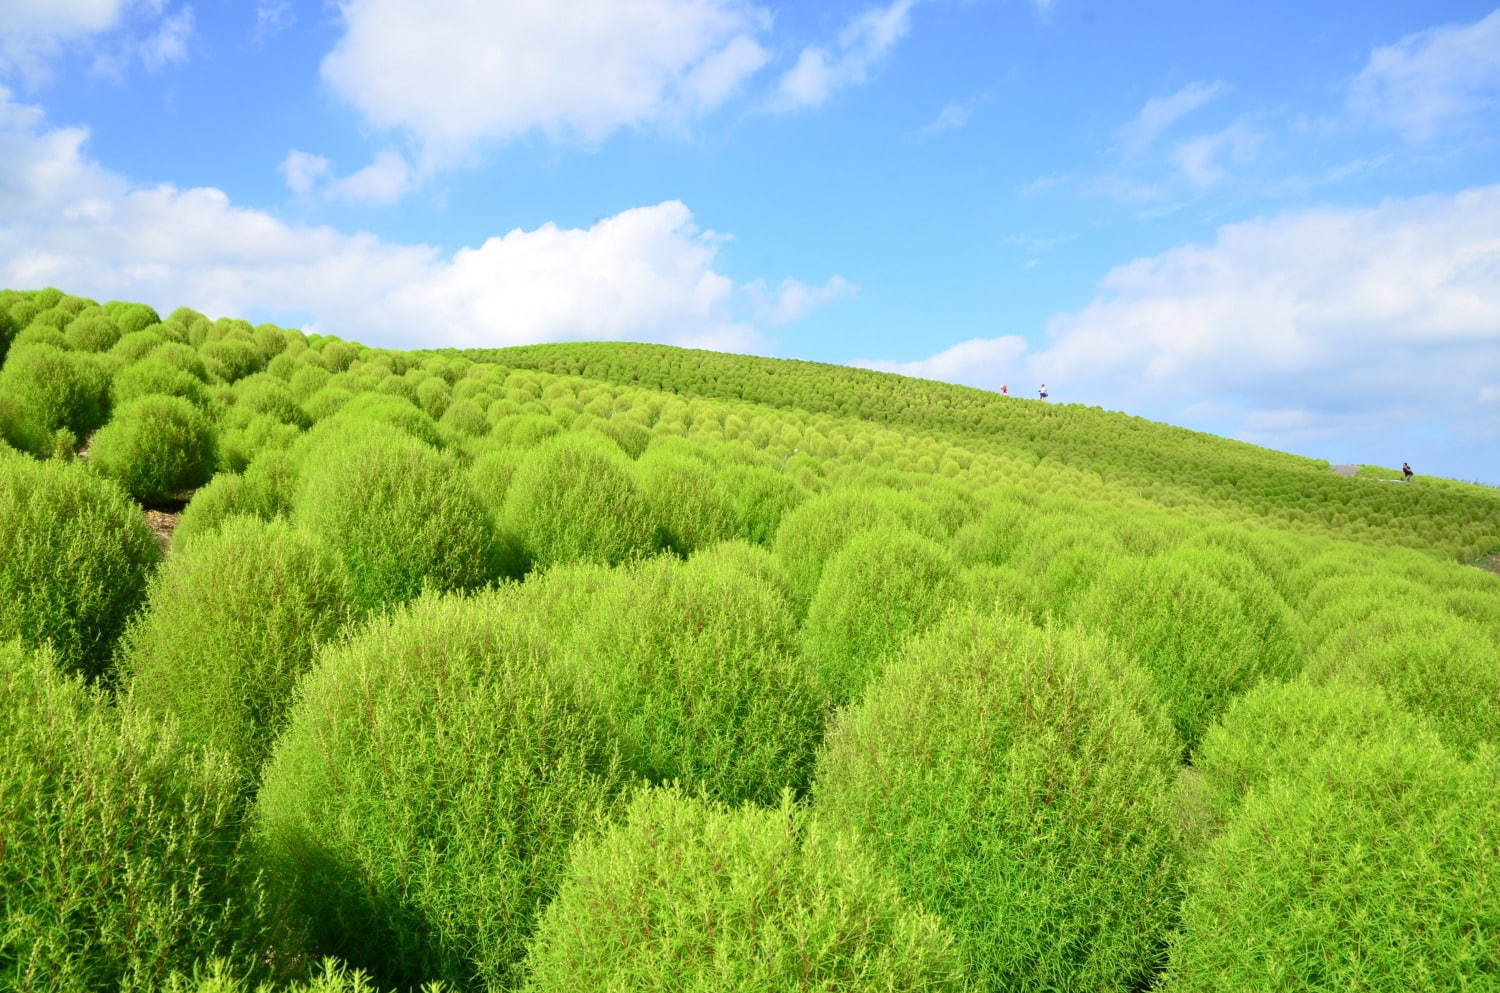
pixel 1278 222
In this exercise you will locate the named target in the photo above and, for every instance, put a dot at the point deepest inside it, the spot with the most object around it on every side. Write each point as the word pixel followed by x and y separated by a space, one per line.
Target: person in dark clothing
pixel 1406 472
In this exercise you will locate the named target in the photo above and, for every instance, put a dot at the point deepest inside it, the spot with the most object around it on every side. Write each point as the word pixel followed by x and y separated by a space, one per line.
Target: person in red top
pixel 1005 390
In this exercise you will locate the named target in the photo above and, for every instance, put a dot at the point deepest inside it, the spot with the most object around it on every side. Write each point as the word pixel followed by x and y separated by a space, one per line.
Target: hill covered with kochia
pixel 622 667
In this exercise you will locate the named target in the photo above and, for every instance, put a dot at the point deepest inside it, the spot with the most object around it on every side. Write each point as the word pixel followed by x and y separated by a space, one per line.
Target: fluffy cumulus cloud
pixel 650 273
pixel 1433 80
pixel 1323 322
pixel 861 46
pixel 31 31
pixel 988 363
pixel 453 72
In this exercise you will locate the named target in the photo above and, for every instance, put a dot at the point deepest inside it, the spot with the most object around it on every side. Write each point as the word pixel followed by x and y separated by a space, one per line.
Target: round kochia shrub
pixel 1016 782
pixel 876 592
pixel 686 496
pixel 229 359
pixel 153 376
pixel 60 389
pixel 1431 662
pixel 574 498
pixel 155 447
pixel 230 625
pixel 694 668
pixel 74 557
pixel 1202 644
pixel 1274 729
pixel 121 854
pixel 810 535
pixel 687 895
pixel 1371 866
pixel 418 809
pixel 20 429
pixel 401 515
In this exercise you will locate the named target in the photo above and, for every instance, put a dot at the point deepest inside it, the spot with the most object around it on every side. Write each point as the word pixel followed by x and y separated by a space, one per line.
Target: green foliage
pixel 183 357
pixel 229 359
pixel 230 624
pixel 137 345
pixel 1015 781
pixel 262 434
pixel 811 534
pixel 92 333
pixel 694 668
pixel 574 499
pixel 876 592
pixel 686 496
pixel 155 447
pixel 264 394
pixel 74 556
pixel 1201 643
pixel 131 317
pixel 687 895
pixel 394 412
pixel 465 418
pixel 20 429
pixel 402 517
pixel 1370 866
pixel 121 853
pixel 58 388
pixel 155 377
pixel 1431 662
pixel 418 810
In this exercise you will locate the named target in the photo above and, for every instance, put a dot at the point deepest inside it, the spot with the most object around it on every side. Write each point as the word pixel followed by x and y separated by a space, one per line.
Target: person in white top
pixel 1043 391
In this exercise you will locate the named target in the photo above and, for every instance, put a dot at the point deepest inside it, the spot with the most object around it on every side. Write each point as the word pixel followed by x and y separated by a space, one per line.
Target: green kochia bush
pixel 121 853
pixel 20 429
pixel 155 376
pixel 401 515
pixel 576 499
pixel 60 389
pixel 1276 728
pixel 156 446
pixel 419 807
pixel 686 496
pixel 816 529
pixel 693 897
pixel 1372 866
pixel 877 591
pixel 1017 783
pixel 1431 662
pixel 694 667
pixel 230 625
pixel 1198 640
pixel 230 359
pixel 74 557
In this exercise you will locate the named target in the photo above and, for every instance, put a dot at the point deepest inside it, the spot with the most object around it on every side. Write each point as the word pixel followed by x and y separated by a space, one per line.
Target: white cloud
pixel 1354 323
pixel 987 363
pixel 384 181
pixel 648 273
pixel 1432 80
pixel 33 31
pixel 170 41
pixel 272 17
pixel 303 170
pixel 1160 113
pixel 453 73
pixel 860 47
pixel 387 179
pixel 1201 160
pixel 793 299
pixel 950 118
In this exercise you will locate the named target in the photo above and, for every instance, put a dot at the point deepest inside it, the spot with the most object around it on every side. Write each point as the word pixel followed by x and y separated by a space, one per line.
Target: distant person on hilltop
pixel 1406 472
pixel 1043 391
pixel 1004 390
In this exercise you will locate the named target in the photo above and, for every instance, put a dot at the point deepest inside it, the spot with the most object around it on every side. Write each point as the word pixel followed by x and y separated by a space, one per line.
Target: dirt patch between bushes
pixel 162 524
pixel 1490 563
